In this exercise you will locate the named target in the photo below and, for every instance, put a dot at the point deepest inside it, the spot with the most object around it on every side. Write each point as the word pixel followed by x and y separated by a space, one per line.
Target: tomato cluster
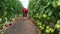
pixel 46 14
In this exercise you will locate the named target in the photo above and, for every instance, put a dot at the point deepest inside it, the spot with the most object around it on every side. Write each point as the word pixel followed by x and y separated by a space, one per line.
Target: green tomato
pixel 44 15
pixel 57 26
pixel 38 23
pixel 3 33
pixel 58 21
pixel 47 31
pixel 47 27
pixel 40 26
pixel 51 30
pixel 58 3
pixel 37 15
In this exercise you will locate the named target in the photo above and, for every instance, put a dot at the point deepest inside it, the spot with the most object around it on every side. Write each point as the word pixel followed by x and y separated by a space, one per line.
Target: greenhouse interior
pixel 29 16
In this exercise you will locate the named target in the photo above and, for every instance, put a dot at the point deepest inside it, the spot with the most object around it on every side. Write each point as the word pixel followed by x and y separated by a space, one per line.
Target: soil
pixel 22 26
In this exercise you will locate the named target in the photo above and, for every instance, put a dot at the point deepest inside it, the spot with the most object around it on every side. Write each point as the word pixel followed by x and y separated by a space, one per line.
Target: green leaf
pixel 54 3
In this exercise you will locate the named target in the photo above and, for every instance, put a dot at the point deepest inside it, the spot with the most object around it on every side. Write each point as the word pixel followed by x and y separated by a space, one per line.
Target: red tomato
pixel 10 24
pixel 6 25
pixel 1 28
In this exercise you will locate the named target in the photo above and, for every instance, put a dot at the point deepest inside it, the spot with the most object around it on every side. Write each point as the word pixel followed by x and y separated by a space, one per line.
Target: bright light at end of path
pixel 25 3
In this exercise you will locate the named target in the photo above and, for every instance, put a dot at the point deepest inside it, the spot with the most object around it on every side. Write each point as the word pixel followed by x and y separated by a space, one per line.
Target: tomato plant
pixel 45 12
pixel 9 9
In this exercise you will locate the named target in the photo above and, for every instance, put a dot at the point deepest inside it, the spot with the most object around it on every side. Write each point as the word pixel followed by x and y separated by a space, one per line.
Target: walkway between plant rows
pixel 22 26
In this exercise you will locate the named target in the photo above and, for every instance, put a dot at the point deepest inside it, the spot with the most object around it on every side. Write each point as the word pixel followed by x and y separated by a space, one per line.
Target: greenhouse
pixel 29 16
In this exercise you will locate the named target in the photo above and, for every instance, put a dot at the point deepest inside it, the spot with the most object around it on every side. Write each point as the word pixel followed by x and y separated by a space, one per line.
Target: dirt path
pixel 22 27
